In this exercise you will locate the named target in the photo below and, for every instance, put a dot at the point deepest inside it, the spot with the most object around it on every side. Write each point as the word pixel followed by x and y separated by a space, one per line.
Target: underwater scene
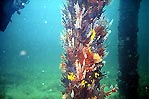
pixel 74 49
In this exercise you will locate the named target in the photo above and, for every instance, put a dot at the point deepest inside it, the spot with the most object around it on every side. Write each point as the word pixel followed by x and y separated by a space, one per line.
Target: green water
pixel 30 51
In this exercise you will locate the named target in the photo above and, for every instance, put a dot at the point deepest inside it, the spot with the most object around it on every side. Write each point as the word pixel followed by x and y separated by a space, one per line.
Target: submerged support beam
pixel 86 30
pixel 127 48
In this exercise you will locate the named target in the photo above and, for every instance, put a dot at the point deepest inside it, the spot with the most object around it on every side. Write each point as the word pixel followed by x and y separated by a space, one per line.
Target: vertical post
pixel 127 48
pixel 86 29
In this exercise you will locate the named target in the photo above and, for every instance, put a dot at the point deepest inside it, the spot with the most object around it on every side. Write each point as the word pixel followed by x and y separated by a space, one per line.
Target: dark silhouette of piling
pixel 127 48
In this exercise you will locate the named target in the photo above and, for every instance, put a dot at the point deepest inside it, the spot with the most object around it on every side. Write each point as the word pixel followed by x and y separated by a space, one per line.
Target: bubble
pixel 45 22
pixel 44 6
pixel 108 72
pixel 4 51
pixel 43 84
pixel 42 71
pixel 50 90
pixel 23 4
pixel 23 53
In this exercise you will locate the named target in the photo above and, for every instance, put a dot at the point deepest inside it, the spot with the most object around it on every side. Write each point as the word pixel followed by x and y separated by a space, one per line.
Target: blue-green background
pixel 37 31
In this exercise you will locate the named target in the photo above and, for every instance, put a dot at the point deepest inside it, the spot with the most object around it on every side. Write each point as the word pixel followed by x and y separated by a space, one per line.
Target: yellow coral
pixel 97 58
pixel 88 85
pixel 60 66
pixel 83 82
pixel 94 97
pixel 71 76
pixel 96 75
pixel 64 96
pixel 93 34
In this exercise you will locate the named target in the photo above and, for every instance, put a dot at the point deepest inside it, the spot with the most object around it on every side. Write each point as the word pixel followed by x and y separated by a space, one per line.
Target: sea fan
pixel 86 29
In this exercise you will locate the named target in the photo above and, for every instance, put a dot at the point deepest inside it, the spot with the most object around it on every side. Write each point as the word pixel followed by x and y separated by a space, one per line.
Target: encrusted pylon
pixel 86 29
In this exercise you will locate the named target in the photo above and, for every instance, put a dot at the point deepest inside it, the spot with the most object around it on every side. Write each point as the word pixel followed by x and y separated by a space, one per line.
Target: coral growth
pixel 86 29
